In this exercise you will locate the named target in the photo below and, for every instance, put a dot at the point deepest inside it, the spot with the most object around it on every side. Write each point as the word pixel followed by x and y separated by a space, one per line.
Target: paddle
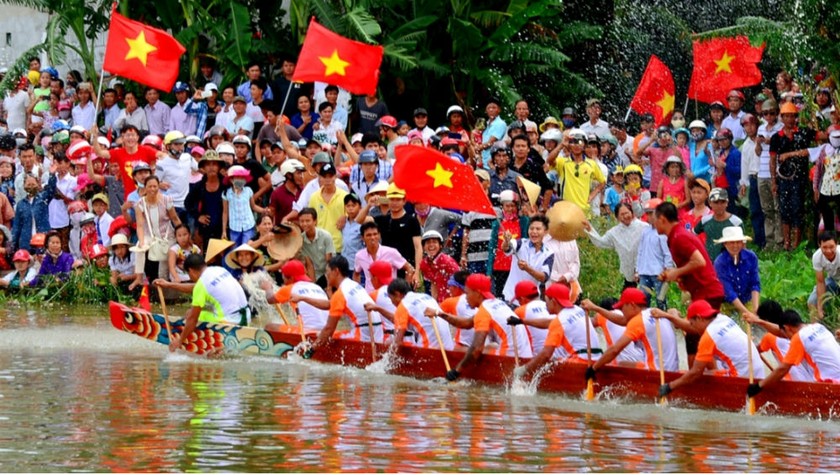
pixel 664 399
pixel 751 402
pixel 165 313
pixel 590 383
pixel 515 346
pixel 300 326
pixel 440 344
pixel 372 343
pixel 282 313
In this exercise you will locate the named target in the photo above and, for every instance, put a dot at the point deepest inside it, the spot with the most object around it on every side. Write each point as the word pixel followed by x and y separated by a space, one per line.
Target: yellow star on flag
pixel 666 103
pixel 334 64
pixel 723 63
pixel 139 48
pixel 442 177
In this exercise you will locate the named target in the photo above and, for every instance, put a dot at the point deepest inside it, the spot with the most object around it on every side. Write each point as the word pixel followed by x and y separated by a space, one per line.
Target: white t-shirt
pixel 177 174
pixel 15 107
pixel 830 269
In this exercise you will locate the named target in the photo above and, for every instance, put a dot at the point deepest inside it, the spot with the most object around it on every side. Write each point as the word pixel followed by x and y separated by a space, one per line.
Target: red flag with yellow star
pixel 655 94
pixel 723 64
pixel 141 53
pixel 429 176
pixel 334 59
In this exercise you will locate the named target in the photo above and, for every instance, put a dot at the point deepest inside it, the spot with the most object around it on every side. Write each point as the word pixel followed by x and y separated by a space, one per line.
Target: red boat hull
pixel 711 392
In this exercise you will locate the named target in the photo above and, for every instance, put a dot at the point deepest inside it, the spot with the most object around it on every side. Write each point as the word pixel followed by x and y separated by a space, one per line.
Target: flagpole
pixel 627 115
pixel 286 100
pixel 685 108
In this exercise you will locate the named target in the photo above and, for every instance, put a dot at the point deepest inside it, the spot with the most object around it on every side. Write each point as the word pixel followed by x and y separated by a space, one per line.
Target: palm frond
pixel 363 24
pixel 327 15
pixel 518 21
pixel 489 18
pixel 532 53
pixel 400 58
pixel 413 27
pixel 19 68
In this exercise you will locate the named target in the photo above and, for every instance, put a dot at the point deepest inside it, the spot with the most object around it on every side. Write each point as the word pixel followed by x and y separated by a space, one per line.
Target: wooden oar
pixel 300 325
pixel 165 313
pixel 372 343
pixel 590 384
pixel 751 402
pixel 282 314
pixel 440 344
pixel 664 399
pixel 515 345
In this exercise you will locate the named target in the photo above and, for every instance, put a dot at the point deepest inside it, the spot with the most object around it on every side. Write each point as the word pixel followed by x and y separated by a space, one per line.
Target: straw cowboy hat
pixel 733 234
pixel 233 264
pixel 216 247
pixel 565 221
pixel 285 245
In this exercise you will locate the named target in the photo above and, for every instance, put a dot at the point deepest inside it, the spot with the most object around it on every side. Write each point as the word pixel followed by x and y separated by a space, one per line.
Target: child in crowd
pixel 436 266
pixel 615 193
pixel 509 223
pixel 7 177
pixel 6 249
pixel 57 263
pixel 121 263
pixel 23 274
pixel 238 207
pixel 351 237
pixel 699 192
pixel 635 194
pixel 179 252
pixel 653 257
pixel 681 136
pixel 713 225
pixel 89 236
pixel 673 188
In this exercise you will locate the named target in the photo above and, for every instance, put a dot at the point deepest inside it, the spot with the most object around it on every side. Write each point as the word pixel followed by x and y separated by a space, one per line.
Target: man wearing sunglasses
pixel 577 172
pixel 769 202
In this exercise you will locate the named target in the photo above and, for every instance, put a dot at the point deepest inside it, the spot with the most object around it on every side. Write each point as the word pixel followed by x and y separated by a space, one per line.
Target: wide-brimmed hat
pixel 119 239
pixel 565 221
pixel 379 187
pixel 285 245
pixel 216 247
pixel 231 262
pixel 733 234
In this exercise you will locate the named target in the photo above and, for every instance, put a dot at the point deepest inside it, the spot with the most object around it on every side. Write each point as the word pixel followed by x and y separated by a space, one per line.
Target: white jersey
pixel 535 310
pixel 612 332
pixel 641 329
pixel 575 325
pixel 380 297
pixel 410 315
pixel 491 317
pixel 725 342
pixel 779 347
pixel 312 317
pixel 815 345
pixel 349 301
pixel 463 336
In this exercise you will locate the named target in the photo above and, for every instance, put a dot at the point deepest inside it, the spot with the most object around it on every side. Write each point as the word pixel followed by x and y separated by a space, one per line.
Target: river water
pixel 78 395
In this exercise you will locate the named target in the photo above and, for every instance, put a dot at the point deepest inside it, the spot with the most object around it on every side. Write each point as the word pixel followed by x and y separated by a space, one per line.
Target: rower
pixel 613 323
pixel 410 316
pixel 381 274
pixel 566 338
pixel 774 342
pixel 641 330
pixel 299 290
pixel 721 340
pixel 490 320
pixel 457 305
pixel 214 289
pixel 532 309
pixel 348 300
pixel 810 343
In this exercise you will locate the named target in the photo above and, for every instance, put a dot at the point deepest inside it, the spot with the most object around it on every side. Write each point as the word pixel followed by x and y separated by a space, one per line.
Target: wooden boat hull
pixel 712 392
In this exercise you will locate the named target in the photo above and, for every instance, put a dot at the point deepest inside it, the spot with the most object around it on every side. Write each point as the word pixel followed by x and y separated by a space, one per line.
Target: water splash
pixel 252 282
pixel 388 361
pixel 520 387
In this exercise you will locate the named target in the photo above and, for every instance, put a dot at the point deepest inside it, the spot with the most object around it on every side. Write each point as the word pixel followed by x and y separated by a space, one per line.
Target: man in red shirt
pixel 130 152
pixel 694 271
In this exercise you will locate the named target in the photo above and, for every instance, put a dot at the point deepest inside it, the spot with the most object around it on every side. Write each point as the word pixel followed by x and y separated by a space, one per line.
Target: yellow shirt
pixel 329 214
pixel 577 179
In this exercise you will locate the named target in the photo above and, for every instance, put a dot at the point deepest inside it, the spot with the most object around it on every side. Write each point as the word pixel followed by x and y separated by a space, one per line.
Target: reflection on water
pixel 78 395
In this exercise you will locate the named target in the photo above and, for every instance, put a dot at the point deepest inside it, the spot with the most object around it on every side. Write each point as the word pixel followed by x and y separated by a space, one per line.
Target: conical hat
pixel 532 190
pixel 258 262
pixel 285 246
pixel 565 221
pixel 216 247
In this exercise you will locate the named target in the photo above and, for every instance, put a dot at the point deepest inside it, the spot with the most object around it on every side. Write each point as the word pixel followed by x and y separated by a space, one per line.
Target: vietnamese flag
pixel 334 59
pixel 141 53
pixel 723 64
pixel 655 94
pixel 429 176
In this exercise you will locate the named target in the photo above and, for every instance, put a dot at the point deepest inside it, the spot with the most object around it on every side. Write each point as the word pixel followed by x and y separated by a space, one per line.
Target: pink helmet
pixel 80 149
pixel 77 207
pixel 153 141
pixel 387 121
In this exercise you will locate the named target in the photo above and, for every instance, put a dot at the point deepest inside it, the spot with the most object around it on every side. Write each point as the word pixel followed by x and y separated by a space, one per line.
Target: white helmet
pixel 290 166
pixel 834 139
pixel 552 134
pixel 431 234
pixel 225 147
pixel 508 196
pixel 454 109
pixel 242 139
pixel 697 124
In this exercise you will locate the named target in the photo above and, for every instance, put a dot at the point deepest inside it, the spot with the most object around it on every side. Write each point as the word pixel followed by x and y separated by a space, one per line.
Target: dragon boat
pixel 818 400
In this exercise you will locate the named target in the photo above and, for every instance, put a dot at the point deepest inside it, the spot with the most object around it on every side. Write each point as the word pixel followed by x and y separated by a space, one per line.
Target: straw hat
pixel 733 234
pixel 565 221
pixel 119 239
pixel 380 187
pixel 285 246
pixel 532 190
pixel 231 262
pixel 216 247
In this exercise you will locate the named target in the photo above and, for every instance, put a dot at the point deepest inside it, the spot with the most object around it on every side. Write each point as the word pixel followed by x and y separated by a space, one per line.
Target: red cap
pixel 700 309
pixel 526 288
pixel 480 283
pixel 383 271
pixel 736 93
pixel 561 293
pixel 631 295
pixel 295 270
pixel 22 255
